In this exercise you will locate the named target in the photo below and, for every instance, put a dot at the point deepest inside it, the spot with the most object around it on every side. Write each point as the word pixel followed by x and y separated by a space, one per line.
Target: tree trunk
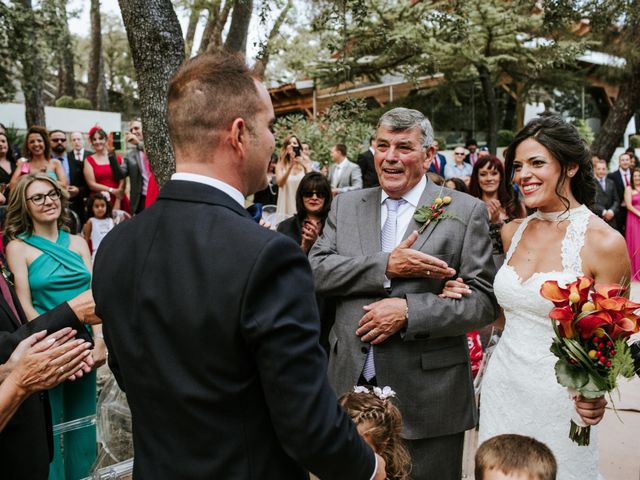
pixel 263 57
pixel 32 80
pixel 68 74
pixel 157 48
pixel 93 86
pixel 626 104
pixel 103 94
pixel 491 104
pixel 212 18
pixel 215 41
pixel 237 37
pixel 194 16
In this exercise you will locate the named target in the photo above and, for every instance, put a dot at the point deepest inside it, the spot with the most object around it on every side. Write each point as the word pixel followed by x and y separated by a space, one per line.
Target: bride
pixel 561 240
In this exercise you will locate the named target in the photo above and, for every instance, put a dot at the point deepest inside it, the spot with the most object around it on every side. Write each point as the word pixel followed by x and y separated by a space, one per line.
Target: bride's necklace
pixel 562 215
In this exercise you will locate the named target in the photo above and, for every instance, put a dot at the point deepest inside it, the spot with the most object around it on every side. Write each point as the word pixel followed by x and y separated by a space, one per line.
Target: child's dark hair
pixel 384 431
pixel 517 454
pixel 104 198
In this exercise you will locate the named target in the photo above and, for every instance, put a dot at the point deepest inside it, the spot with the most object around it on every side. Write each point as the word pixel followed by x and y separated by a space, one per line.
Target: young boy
pixel 514 457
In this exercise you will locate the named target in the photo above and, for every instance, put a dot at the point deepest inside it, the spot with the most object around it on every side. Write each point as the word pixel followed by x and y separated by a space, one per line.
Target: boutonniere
pixel 434 212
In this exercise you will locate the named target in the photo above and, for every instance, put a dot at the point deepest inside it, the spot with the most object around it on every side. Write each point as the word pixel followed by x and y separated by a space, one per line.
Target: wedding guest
pixel 439 160
pixel 514 457
pixel 488 183
pixel 237 388
pixel 459 168
pixel 365 162
pixel 622 179
pixel 456 184
pixel 632 234
pixel 563 239
pixel 291 167
pixel 51 267
pixel 435 178
pixel 38 158
pixel 100 221
pixel 344 175
pixel 606 203
pixel 306 151
pixel 7 163
pixel 379 422
pixel 472 157
pixel 102 171
pixel 269 195
pixel 15 150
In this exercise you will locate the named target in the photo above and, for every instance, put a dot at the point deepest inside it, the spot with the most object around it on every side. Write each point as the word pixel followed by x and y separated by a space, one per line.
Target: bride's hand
pixel 591 410
pixel 455 289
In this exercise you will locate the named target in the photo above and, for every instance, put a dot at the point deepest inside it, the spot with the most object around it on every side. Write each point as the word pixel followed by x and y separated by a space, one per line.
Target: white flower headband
pixel 381 393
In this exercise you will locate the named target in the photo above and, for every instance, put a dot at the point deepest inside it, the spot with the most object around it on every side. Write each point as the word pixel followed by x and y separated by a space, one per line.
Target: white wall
pixel 66 119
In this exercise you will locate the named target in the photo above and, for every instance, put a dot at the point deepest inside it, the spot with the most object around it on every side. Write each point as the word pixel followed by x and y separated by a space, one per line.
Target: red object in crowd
pixel 152 191
pixel 475 351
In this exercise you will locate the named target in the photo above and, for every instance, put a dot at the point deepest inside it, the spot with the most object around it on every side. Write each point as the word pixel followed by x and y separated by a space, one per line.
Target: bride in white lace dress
pixel 560 241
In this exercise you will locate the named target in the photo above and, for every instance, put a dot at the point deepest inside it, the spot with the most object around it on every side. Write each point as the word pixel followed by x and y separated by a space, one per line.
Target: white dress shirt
pixel 212 182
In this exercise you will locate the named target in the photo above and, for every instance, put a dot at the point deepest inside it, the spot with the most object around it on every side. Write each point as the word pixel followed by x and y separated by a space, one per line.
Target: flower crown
pixel 381 393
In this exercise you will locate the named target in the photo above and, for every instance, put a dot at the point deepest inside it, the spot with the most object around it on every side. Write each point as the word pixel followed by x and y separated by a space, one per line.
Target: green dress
pixel 56 276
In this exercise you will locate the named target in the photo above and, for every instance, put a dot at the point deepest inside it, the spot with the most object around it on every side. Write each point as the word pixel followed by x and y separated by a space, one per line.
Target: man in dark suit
pixel 439 160
pixel 26 442
pixel 472 156
pixel 606 203
pixel 136 166
pixel 622 179
pixel 76 157
pixel 365 162
pixel 218 348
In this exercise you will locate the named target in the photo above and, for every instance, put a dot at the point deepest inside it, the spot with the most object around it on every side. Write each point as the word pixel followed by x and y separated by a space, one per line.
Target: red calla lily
pixel 564 317
pixel 588 324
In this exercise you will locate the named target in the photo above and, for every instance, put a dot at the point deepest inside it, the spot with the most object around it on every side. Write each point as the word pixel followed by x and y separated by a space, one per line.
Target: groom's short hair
pixel 206 94
pixel 401 119
pixel 516 454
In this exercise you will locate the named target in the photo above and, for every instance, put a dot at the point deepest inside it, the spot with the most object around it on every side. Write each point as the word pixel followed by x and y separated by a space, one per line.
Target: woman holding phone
pixel 291 167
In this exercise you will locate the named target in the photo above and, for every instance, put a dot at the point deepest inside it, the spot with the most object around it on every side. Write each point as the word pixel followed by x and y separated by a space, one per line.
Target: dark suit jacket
pixel 131 167
pixel 621 215
pixel 214 337
pixel 26 441
pixel 369 175
pixel 442 161
pixel 77 179
pixel 606 199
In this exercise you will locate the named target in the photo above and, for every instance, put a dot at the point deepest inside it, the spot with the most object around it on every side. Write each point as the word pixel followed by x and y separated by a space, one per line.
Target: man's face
pixel 58 142
pixel 400 160
pixel 136 129
pixel 76 141
pixel 601 170
pixel 335 154
pixel 305 149
pixel 261 143
pixel 624 161
pixel 472 148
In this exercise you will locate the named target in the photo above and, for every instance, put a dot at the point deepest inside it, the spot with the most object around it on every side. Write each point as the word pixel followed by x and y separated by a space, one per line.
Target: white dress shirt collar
pixel 412 196
pixel 212 182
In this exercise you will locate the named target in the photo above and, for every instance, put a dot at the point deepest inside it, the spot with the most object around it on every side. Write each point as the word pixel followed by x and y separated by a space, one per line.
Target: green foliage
pixel 339 124
pixel 505 137
pixel 585 132
pixel 634 141
pixel 65 102
pixel 442 142
pixel 14 136
pixel 83 104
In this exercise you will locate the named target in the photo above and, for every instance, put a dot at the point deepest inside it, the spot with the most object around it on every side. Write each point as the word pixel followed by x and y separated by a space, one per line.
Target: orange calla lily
pixel 610 290
pixel 581 286
pixel 552 291
pixel 564 316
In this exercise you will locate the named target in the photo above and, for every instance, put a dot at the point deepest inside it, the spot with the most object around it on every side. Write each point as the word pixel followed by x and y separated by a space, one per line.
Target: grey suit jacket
pixel 131 167
pixel 428 363
pixel 350 177
pixel 607 200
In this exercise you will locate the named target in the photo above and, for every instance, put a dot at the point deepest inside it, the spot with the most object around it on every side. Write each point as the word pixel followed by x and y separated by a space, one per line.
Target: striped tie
pixel 388 243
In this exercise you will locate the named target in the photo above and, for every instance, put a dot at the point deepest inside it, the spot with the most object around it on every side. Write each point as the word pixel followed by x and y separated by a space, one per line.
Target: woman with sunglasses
pixel 38 159
pixel 313 202
pixel 50 267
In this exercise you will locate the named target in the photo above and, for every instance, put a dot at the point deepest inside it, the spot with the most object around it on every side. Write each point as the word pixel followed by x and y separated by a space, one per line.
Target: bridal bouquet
pixel 591 327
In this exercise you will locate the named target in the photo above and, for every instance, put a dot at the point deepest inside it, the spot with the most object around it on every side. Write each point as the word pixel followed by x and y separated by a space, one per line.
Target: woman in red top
pixel 102 171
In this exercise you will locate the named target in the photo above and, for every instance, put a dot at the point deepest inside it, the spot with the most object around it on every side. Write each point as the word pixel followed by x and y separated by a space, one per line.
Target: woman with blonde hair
pixel 291 167
pixel 50 267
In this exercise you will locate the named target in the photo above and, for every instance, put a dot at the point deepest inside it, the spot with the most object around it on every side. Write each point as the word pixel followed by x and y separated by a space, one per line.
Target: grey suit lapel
pixel 430 192
pixel 368 213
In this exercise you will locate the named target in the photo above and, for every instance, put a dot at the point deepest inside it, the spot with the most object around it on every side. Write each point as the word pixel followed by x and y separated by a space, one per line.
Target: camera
pixel 297 150
pixel 117 140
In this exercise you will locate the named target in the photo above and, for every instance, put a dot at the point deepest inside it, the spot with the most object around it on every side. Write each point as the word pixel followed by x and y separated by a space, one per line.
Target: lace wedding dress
pixel 520 393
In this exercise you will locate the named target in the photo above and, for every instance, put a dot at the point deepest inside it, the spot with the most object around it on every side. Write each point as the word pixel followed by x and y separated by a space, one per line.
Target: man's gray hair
pixel 401 119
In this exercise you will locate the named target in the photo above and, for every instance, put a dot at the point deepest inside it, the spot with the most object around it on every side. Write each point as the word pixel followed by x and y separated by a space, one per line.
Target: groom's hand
pixel 382 319
pixel 404 262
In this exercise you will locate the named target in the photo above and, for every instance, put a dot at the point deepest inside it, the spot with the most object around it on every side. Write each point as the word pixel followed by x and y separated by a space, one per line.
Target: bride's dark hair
pixel 566 146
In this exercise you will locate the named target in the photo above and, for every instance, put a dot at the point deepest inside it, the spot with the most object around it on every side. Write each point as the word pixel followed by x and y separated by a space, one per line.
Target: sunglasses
pixel 457 153
pixel 311 194
pixel 58 140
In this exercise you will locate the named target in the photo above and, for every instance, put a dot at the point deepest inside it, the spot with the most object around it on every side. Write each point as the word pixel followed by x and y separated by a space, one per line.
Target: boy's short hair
pixel 512 453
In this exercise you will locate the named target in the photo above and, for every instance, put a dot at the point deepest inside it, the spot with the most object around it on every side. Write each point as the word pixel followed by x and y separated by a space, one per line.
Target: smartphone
pixel 297 150
pixel 117 140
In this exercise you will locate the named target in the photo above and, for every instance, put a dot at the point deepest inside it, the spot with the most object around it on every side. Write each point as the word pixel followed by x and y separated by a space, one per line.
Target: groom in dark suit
pixel 212 325
pixel 391 327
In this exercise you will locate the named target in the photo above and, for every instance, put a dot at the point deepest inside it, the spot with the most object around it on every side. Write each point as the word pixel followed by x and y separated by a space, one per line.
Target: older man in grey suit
pixel 391 326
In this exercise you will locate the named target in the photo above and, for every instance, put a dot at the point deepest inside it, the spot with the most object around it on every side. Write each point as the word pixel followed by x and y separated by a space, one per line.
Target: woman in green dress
pixel 50 266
